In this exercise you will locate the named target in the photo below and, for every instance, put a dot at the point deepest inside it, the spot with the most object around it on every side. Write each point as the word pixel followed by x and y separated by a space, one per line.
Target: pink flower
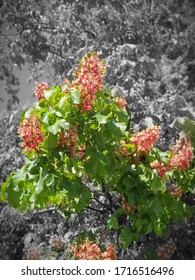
pixel 81 151
pixel 110 253
pixel 145 139
pixel 180 159
pixel 68 138
pixel 182 153
pixel 40 87
pixel 30 133
pixel 89 250
pixel 89 78
pixel 121 101
pixel 161 167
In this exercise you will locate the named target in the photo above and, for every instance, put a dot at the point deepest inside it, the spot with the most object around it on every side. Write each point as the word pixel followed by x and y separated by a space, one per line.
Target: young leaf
pixel 75 96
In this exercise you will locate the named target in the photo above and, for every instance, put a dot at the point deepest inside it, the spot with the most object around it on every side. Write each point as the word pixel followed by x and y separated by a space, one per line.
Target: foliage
pixel 80 147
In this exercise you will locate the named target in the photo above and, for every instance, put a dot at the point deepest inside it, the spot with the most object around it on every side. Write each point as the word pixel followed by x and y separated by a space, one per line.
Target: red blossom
pixel 121 101
pixel 89 250
pixel 81 151
pixel 161 167
pixel 89 78
pixel 123 148
pixel 182 153
pixel 68 139
pixel 145 139
pixel 40 87
pixel 30 133
pixel 175 190
pixel 110 253
pixel 181 157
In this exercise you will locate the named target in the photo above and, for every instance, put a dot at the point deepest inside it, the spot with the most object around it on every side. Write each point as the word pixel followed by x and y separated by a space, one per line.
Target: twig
pixel 97 210
pixel 45 210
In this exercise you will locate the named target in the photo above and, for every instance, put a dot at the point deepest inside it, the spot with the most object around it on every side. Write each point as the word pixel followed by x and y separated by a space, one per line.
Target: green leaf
pixel 101 118
pixel 49 180
pixel 77 195
pixel 156 184
pixel 75 96
pixel 39 185
pixel 48 93
pixel 64 124
pixel 157 207
pixel 84 198
pixel 19 175
pixel 4 187
pixel 63 101
pixel 116 129
pixel 51 141
pixel 127 236
pixel 113 223
pixel 129 182
pixel 51 95
pixel 28 113
pixel 55 128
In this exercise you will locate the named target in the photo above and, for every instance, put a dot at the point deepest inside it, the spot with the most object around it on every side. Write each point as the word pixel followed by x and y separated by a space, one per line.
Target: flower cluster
pixel 89 78
pixel 123 148
pixel 166 251
pixel 89 250
pixel 58 243
pixel 175 190
pixel 30 133
pixel 182 155
pixel 68 139
pixel 39 89
pixel 121 101
pixel 161 167
pixel 145 139
pixel 110 253
pixel 81 151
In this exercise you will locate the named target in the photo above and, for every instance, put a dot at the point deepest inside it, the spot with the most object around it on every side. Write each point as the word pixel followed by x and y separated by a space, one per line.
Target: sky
pixel 25 94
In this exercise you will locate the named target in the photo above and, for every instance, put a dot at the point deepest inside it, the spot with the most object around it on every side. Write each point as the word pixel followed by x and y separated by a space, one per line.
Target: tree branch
pixel 7 35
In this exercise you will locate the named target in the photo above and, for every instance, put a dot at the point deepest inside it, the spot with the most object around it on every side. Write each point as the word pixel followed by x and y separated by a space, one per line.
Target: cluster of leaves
pixel 87 154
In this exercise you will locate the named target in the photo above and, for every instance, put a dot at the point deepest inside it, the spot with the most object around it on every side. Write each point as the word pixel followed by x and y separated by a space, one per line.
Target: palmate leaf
pixel 58 125
pixel 4 187
pixel 78 196
pixel 55 128
pixel 12 191
pixel 102 119
pixel 157 207
pixel 51 94
pixel 75 96
pixel 19 175
pixel 116 129
pixel 49 179
pixel 113 223
pixel 127 236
